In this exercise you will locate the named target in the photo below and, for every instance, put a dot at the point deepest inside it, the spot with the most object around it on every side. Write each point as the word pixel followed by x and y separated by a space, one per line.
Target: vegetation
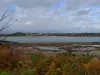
pixel 39 64
pixel 51 34
pixel 6 21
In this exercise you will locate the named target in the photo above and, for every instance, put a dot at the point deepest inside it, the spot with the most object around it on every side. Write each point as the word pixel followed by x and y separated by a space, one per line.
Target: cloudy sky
pixel 54 15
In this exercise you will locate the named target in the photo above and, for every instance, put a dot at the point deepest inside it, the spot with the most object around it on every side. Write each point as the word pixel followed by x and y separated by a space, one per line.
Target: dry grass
pixel 93 64
pixel 39 64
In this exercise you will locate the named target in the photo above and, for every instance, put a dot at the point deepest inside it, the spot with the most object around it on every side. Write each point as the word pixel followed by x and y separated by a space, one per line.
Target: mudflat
pixel 58 44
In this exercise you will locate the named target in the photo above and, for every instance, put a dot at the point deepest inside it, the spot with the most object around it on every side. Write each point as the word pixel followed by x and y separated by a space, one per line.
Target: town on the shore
pixel 50 34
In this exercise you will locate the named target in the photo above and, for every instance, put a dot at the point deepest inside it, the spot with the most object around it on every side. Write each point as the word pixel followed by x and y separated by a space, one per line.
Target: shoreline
pixel 59 44
pixel 50 36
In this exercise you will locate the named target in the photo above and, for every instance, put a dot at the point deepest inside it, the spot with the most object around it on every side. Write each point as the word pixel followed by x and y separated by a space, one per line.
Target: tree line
pixel 51 34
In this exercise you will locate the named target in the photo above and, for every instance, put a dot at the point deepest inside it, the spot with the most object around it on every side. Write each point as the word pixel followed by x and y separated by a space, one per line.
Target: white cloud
pixel 34 16
pixel 28 22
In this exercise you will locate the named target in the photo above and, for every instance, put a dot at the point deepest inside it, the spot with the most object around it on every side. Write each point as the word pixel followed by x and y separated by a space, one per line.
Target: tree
pixel 6 20
pixel 7 23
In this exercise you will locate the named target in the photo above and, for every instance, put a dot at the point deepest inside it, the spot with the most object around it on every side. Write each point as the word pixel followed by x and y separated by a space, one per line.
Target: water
pixel 48 48
pixel 52 39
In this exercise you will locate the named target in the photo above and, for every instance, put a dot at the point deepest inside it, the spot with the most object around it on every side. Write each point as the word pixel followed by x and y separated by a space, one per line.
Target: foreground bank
pixel 49 58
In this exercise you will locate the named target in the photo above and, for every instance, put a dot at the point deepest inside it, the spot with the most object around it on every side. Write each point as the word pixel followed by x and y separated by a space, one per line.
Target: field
pixel 43 64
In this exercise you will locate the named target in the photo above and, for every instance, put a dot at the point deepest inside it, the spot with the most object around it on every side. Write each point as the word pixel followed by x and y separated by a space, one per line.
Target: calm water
pixel 51 39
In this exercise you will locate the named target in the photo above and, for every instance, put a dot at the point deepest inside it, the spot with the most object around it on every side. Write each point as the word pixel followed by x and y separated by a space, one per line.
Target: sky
pixel 53 15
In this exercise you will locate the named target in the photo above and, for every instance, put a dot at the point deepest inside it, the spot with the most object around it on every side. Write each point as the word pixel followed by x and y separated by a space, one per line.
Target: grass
pixel 39 64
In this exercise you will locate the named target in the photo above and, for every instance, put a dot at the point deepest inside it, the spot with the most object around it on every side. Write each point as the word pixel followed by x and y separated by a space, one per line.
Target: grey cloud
pixel 34 16
pixel 40 19
pixel 31 3
pixel 73 4
pixel 43 21
pixel 35 3
pixel 70 4
pixel 83 12
pixel 81 18
pixel 36 19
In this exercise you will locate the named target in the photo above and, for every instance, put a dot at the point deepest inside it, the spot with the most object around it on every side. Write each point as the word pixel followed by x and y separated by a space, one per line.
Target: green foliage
pixel 29 72
pixel 5 73
pixel 34 58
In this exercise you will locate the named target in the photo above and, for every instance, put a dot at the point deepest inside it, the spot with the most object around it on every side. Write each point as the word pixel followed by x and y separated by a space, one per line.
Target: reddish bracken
pixel 14 58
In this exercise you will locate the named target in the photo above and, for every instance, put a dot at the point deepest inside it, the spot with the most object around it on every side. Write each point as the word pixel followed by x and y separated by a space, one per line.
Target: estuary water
pixel 51 39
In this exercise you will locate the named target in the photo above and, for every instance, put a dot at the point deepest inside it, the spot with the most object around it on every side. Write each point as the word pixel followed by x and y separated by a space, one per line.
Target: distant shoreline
pixel 49 36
